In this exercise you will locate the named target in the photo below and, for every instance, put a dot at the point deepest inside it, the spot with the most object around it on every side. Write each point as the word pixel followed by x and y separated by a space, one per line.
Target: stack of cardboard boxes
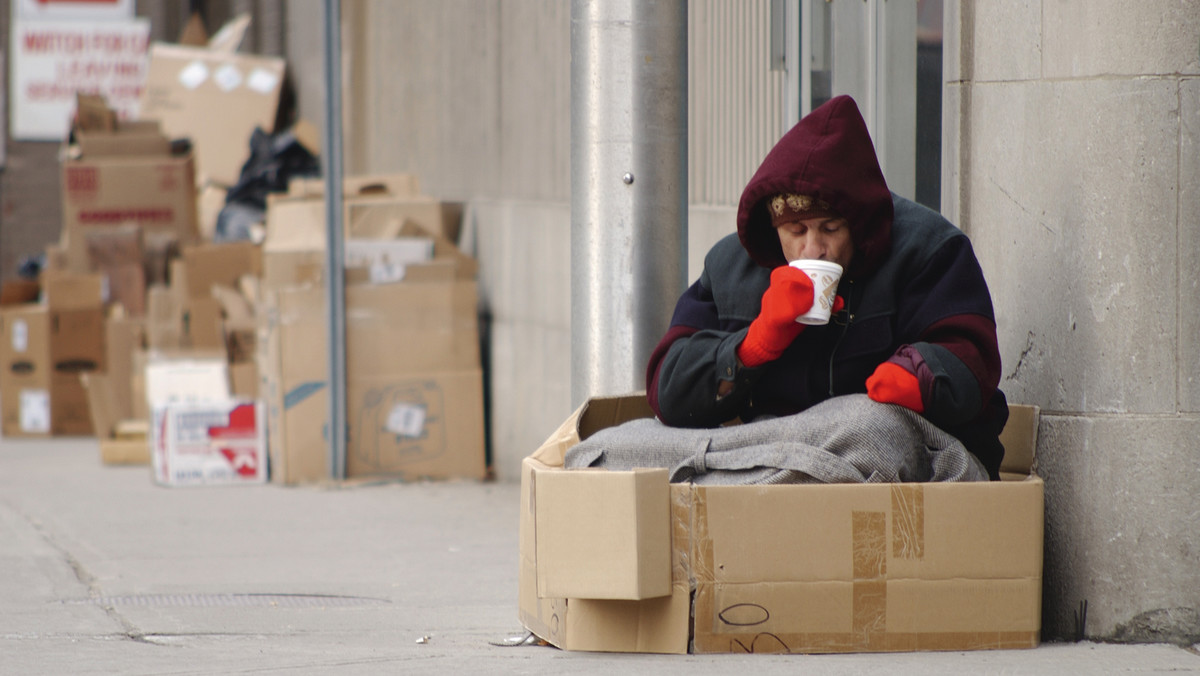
pixel 45 348
pixel 175 350
pixel 413 379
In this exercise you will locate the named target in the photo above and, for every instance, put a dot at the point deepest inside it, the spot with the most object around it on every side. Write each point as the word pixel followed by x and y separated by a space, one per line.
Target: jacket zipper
pixel 842 335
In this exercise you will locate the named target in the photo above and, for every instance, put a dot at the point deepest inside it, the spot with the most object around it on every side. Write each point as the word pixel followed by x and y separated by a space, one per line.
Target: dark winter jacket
pixel 914 293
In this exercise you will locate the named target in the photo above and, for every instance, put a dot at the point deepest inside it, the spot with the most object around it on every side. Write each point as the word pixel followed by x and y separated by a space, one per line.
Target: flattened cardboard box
pixel 801 568
pixel 216 99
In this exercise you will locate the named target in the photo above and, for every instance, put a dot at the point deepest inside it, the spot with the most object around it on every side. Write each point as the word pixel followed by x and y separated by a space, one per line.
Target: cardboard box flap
pixel 1020 439
pixel 216 99
pixel 194 33
pixel 93 114
pixel 554 449
pixel 602 412
pixel 399 185
pixel 102 403
pixel 19 291
pixel 372 213
pixel 94 144
pixel 69 291
pixel 228 38
pixel 224 263
pixel 444 250
pixel 295 225
pixel 603 535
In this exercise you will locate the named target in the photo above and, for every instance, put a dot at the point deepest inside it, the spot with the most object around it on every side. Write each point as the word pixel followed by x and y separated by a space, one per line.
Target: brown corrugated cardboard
pixel 243 380
pixel 69 291
pixel 25 379
pixel 156 192
pixel 399 185
pixel 215 99
pixel 110 394
pixel 376 216
pixel 124 336
pixel 209 202
pixel 585 546
pixel 824 568
pixel 293 252
pixel 193 32
pixel 117 253
pixel 414 387
pixel 219 263
pixel 416 425
pixel 164 319
pixel 102 403
pixel 125 451
pixel 202 324
pixel 93 114
pixel 18 291
pixel 126 143
pixel 44 351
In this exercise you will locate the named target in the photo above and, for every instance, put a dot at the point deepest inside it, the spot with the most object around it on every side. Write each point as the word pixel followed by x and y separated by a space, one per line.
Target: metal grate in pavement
pixel 264 600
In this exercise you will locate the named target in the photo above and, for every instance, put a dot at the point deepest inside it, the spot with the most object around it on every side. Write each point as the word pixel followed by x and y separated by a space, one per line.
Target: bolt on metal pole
pixel 629 193
pixel 335 290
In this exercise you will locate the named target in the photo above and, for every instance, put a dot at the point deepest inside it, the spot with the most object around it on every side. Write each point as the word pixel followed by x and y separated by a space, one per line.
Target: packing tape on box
pixel 908 521
pixel 870 553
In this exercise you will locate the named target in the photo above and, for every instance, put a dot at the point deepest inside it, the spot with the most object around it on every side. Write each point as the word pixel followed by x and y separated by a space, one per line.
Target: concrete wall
pixel 1073 162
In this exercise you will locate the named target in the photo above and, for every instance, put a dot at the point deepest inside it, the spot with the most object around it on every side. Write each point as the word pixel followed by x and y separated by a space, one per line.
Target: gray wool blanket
pixel 849 439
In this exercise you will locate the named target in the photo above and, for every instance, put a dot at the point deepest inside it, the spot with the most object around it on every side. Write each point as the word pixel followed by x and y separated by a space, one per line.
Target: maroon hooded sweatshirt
pixel 914 292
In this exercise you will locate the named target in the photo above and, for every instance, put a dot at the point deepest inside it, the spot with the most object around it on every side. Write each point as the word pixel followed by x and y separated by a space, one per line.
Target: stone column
pixel 1072 158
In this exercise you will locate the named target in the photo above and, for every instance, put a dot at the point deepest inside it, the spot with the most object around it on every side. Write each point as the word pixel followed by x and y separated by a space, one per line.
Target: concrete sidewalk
pixel 103 572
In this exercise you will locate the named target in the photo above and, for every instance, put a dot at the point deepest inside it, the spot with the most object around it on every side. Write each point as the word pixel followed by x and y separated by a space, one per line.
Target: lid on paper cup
pixel 816 265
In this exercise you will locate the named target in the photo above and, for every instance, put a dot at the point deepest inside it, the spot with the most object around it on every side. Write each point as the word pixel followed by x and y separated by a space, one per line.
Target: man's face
pixel 825 238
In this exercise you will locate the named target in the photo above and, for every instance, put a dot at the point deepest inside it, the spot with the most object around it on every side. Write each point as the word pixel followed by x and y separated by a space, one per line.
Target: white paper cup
pixel 825 276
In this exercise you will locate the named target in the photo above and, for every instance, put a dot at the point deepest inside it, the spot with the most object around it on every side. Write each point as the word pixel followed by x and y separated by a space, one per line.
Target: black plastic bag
pixel 274 160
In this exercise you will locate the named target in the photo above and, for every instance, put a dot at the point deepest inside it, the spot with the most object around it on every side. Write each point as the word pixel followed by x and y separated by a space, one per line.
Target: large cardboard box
pixel 43 352
pixel 25 381
pixel 785 568
pixel 413 381
pixel 120 181
pixel 214 98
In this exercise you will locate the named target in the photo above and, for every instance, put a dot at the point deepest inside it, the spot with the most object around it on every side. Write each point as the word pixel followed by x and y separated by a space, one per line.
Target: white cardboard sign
pixel 52 60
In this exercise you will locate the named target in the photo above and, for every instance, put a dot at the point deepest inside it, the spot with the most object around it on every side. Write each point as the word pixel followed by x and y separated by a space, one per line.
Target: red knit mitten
pixel 893 384
pixel 789 296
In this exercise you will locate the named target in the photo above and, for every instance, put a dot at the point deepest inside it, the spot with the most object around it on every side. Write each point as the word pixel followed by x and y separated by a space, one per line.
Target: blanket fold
pixel 849 439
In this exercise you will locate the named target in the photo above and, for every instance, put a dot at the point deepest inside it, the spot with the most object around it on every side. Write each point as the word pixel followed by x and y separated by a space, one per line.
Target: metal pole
pixel 335 291
pixel 628 186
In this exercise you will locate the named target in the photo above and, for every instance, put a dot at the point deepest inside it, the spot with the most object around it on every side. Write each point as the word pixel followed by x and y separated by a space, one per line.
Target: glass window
pixel 888 55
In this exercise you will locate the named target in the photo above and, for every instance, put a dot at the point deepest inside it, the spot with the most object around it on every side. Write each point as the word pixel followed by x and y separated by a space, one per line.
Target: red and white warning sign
pixel 60 47
pixel 205 443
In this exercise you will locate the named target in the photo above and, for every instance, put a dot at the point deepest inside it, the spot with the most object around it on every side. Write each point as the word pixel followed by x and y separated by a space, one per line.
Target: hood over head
pixel 829 157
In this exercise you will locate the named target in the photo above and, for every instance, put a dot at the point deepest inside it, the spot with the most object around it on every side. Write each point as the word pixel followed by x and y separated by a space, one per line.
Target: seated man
pixel 914 326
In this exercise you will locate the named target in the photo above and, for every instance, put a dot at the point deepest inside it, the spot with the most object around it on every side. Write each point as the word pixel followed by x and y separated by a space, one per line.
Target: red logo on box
pixel 82 180
pixel 231 440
